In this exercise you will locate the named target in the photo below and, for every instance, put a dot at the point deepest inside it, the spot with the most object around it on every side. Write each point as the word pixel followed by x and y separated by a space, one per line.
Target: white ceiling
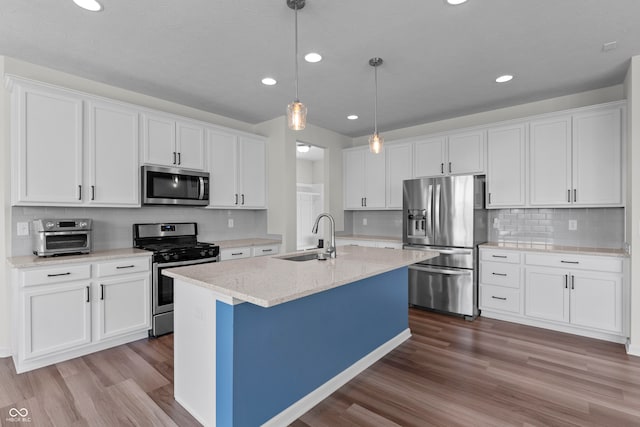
pixel 440 60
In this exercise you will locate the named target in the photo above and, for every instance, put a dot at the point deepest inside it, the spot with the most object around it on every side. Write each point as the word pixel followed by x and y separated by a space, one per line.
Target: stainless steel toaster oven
pixel 61 236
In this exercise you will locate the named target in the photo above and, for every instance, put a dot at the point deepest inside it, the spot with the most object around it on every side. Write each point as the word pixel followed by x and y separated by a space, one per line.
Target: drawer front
pixel 263 250
pixel 123 266
pixel 235 253
pixel 575 262
pixel 42 276
pixel 499 298
pixel 511 257
pixel 495 273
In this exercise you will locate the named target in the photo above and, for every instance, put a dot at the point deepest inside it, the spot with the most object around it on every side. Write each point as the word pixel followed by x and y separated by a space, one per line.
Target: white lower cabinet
pixel 579 294
pixel 71 310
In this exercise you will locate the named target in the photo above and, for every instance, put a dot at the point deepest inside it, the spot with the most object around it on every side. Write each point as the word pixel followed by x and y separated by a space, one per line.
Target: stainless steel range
pixel 173 245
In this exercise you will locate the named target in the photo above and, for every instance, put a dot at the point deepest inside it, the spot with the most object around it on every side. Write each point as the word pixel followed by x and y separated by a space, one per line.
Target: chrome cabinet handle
pixel 88 294
pixel 500 298
pixel 500 274
pixel 449 167
pixel 236 198
pixel 59 274
pixel 174 157
pixel 237 253
pixel 573 281
pixel 569 262
pixel 498 256
pixel 79 192
pixel 179 158
pixel 575 196
pixel 101 292
pixel 566 279
pixel 267 250
pixel 489 198
pixel 93 192
pixel 569 196
pixel 441 167
pixel 243 199
pixel 125 266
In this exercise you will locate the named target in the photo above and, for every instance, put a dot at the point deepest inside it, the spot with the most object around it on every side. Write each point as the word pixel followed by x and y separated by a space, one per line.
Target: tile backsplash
pixel 595 227
pixel 112 227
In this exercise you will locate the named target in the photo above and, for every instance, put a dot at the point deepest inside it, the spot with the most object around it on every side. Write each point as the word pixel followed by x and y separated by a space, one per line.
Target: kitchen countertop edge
pixel 27 261
pixel 576 250
pixel 237 243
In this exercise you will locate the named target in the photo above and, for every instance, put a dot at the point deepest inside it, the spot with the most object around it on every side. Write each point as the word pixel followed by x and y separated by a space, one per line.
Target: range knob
pixel 50 224
pixel 211 252
pixel 166 257
pixel 203 253
pixel 82 224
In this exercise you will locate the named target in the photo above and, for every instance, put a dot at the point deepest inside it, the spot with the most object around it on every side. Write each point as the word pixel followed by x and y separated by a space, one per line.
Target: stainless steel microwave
pixel 173 186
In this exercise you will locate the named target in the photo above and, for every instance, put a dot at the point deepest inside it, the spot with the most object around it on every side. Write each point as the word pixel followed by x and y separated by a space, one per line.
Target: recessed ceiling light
pixel 352 117
pixel 313 57
pixel 456 2
pixel 91 5
pixel 505 78
pixel 269 81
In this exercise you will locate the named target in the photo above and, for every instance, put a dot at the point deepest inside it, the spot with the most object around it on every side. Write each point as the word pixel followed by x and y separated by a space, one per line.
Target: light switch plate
pixel 364 221
pixel 230 222
pixel 573 225
pixel 22 229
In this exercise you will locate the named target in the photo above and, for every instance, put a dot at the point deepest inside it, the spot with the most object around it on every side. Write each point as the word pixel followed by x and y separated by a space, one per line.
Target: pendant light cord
pixel 296 49
pixel 375 104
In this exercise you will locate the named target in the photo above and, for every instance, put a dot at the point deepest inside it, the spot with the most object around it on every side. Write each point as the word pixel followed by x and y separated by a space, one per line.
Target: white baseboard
pixel 5 352
pixel 303 405
pixel 633 350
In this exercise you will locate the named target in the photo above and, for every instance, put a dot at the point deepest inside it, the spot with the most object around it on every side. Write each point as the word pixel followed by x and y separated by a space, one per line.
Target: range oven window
pixel 164 290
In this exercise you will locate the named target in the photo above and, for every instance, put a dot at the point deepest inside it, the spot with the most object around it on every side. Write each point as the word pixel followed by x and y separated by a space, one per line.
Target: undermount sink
pixel 304 257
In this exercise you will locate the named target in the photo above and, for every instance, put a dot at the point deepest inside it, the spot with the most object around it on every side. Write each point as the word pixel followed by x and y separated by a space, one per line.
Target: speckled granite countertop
pixel 271 280
pixel 541 247
pixel 36 261
pixel 376 238
pixel 227 244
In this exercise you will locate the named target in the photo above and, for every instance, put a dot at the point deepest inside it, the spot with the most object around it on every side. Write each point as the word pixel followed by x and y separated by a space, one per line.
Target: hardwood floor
pixel 451 372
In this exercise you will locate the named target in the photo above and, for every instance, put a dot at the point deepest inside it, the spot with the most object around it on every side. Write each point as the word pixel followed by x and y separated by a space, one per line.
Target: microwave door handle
pixel 201 195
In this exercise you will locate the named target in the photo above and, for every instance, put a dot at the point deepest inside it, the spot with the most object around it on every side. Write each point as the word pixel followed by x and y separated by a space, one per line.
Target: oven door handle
pixel 445 271
pixel 185 263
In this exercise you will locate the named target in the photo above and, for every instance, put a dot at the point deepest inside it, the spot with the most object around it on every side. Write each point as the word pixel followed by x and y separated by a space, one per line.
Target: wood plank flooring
pixel 450 373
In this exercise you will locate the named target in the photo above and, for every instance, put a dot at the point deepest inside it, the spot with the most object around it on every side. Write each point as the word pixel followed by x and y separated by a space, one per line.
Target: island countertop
pixel 269 281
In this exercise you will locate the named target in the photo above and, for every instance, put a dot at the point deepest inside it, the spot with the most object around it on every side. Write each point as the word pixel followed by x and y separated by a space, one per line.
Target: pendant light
pixel 296 111
pixel 375 140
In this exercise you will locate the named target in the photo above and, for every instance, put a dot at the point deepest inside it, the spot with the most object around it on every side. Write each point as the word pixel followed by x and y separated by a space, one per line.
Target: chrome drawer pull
pixel 237 253
pixel 59 274
pixel 267 250
pixel 500 298
pixel 125 266
pixel 499 256
pixel 570 262
pixel 500 274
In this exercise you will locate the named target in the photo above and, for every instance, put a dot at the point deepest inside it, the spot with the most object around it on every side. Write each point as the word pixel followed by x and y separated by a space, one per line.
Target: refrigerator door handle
pixel 436 202
pixel 429 215
pixel 445 271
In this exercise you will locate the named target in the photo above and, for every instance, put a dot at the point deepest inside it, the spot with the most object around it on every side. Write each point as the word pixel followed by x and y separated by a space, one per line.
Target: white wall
pixel 632 89
pixel 5 217
pixel 304 171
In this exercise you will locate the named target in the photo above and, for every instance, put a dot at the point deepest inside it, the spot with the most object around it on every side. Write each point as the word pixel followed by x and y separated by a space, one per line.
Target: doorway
pixel 310 192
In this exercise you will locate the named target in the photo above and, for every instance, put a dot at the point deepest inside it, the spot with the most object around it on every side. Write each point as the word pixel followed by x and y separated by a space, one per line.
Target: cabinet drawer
pixel 122 266
pixel 235 253
pixel 67 273
pixel 500 256
pixel 575 262
pixel 499 298
pixel 266 250
pixel 496 273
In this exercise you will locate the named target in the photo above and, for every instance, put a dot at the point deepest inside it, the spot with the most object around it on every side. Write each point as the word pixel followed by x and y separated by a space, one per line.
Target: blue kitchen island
pixel 260 341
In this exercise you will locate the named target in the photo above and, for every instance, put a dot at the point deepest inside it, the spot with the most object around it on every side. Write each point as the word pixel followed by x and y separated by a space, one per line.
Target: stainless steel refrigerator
pixel 446 215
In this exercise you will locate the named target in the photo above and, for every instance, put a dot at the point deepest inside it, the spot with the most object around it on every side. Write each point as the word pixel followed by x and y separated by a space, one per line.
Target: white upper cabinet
pixel 47 145
pixel 597 158
pixel 113 172
pixel 454 154
pixel 576 160
pixel 237 168
pixel 466 153
pixel 399 168
pixel 506 166
pixel 429 157
pixel 364 179
pixel 171 142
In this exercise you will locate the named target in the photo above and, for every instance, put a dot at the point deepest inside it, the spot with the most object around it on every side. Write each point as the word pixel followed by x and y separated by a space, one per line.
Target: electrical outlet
pixel 573 225
pixel 364 221
pixel 230 222
pixel 496 223
pixel 23 229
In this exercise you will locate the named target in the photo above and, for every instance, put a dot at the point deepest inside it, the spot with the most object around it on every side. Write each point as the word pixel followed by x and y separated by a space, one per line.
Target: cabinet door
pixel 374 179
pixel 465 153
pixel 428 157
pixel 597 161
pixel 56 318
pixel 114 172
pixel 550 161
pixel 596 301
pixel 124 305
pixel 190 146
pixel 547 294
pixel 47 144
pixel 223 158
pixel 399 167
pixel 506 166
pixel 159 140
pixel 252 173
pixel 353 179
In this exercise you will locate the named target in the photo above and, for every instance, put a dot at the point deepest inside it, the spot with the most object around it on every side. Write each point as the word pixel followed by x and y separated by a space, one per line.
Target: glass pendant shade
pixel 375 143
pixel 296 115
